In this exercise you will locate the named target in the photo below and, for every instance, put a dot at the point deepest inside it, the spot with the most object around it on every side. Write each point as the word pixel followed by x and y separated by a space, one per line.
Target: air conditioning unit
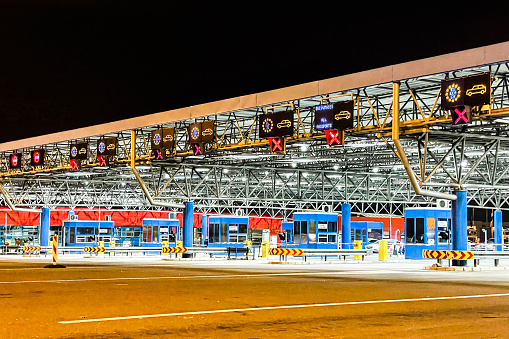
pixel 73 217
pixel 327 209
pixel 238 212
pixel 442 203
pixel 107 218
pixel 172 215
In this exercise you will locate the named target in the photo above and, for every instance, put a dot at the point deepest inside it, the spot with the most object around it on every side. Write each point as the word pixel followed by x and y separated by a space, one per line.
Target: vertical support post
pixel 204 229
pixel 44 235
pixel 459 225
pixel 187 233
pixel 346 230
pixel 498 232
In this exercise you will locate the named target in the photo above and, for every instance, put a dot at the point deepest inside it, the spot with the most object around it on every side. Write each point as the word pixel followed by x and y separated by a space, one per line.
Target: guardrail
pixel 324 253
pixel 495 255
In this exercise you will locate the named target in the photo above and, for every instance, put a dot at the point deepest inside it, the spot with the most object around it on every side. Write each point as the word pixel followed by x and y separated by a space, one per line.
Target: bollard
pixel 357 246
pixel 382 249
pixel 265 249
pixel 54 248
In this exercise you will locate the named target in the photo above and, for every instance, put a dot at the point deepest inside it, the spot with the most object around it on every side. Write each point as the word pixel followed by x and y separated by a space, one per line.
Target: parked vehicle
pixel 391 244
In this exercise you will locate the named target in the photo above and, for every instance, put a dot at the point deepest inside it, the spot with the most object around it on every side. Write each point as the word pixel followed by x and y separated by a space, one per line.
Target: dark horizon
pixel 69 65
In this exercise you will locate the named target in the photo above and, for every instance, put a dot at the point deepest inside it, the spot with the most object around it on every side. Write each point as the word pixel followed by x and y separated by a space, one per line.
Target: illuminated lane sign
pixel 78 151
pixel 334 116
pixel 169 138
pixel 107 146
pixel 198 148
pixel 156 140
pixel 159 154
pixel 37 157
pixel 276 124
pixel 334 137
pixel 15 160
pixel 277 145
pixel 208 131
pixel 103 160
pixel 473 90
pixel 195 133
pixel 461 115
pixel 75 164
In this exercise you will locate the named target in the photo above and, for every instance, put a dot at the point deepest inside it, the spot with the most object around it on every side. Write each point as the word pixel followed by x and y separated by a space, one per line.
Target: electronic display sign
pixel 156 139
pixel 168 138
pixel 208 131
pixel 15 160
pixel 334 116
pixel 473 90
pixel 37 157
pixel 277 145
pixel 276 124
pixel 334 137
pixel 103 160
pixel 107 146
pixel 195 132
pixel 198 148
pixel 79 151
pixel 75 164
pixel 159 154
pixel 461 115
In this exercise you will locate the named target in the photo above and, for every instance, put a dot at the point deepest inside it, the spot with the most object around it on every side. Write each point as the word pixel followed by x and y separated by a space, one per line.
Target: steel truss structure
pixel 238 173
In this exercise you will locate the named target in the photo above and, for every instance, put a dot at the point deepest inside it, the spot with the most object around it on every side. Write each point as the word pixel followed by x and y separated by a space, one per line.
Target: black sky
pixel 69 64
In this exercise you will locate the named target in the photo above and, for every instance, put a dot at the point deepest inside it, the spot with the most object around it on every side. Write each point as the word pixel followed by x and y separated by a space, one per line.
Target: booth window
pixel 332 226
pixel 410 231
pixel 72 231
pixel 296 231
pixel 85 230
pixel 419 230
pixel 242 228
pixel 223 233
pixel 155 234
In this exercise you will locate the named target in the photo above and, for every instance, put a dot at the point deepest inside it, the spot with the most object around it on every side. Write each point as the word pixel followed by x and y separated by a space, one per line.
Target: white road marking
pixel 338 273
pixel 269 308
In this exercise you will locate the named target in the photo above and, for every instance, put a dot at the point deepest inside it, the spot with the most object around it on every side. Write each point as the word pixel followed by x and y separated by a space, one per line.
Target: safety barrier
pixel 495 255
pixel 323 253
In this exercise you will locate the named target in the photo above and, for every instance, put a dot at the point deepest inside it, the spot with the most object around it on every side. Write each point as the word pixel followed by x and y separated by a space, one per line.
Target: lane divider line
pixel 209 276
pixel 269 308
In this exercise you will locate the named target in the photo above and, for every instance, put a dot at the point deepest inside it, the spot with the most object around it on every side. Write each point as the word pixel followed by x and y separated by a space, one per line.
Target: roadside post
pixel 382 250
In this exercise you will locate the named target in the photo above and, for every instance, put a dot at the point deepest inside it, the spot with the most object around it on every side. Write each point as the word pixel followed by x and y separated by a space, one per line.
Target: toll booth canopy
pixel 155 231
pixel 315 230
pixel 87 232
pixel 365 230
pixel 228 230
pixel 426 229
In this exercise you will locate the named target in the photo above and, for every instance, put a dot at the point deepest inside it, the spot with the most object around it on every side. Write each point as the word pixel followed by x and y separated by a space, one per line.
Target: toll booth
pixel 128 235
pixel 21 234
pixel 156 231
pixel 228 230
pixel 365 230
pixel 315 230
pixel 87 232
pixel 426 229
pixel 287 230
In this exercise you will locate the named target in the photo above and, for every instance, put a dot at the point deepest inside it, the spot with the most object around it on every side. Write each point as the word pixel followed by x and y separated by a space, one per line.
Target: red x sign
pixel 461 115
pixel 333 137
pixel 159 154
pixel 277 144
pixel 197 149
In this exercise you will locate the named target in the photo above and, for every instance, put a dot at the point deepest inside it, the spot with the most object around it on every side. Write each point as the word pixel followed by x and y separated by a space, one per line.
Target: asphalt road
pixel 168 299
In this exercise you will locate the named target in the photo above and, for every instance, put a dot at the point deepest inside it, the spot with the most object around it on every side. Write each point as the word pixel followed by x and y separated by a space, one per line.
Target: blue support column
pixel 459 225
pixel 44 235
pixel 187 233
pixel 498 232
pixel 203 229
pixel 346 236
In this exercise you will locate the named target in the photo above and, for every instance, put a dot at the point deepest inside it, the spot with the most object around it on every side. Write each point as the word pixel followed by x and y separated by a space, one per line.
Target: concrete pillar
pixel 459 225
pixel 346 237
pixel 204 228
pixel 44 235
pixel 498 231
pixel 187 234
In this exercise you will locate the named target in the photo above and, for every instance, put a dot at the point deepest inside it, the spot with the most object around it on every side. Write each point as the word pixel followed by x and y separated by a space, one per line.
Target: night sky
pixel 70 64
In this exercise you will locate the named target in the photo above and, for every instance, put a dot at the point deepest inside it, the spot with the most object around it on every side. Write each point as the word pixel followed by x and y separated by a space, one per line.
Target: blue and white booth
pixel 86 232
pixel 156 231
pixel 315 230
pixel 227 230
pixel 426 229
pixel 365 230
